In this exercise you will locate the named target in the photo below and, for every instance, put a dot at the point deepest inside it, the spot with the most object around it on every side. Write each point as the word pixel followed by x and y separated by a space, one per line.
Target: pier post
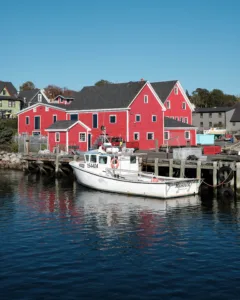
pixel 57 164
pixel 170 167
pixel 156 146
pixel 199 163
pixel 232 166
pixel 156 166
pixel 182 169
pixel 238 175
pixel 215 174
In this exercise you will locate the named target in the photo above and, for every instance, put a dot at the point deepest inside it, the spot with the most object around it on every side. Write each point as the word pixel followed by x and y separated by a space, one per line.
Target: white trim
pixel 39 104
pixel 175 89
pixel 39 123
pixel 152 136
pixel 67 141
pixel 145 97
pixel 189 138
pixel 92 120
pixel 28 120
pixel 185 96
pixel 56 137
pixel 152 118
pixel 110 119
pixel 79 135
pixel 39 97
pixel 138 133
pixel 156 95
pixel 127 119
pixel 46 108
pixel 96 110
pixel 33 97
pixel 137 115
pixel 168 132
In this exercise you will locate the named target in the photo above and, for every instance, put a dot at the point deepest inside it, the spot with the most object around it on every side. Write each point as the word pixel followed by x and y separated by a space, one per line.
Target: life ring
pixel 114 163
pixel 221 174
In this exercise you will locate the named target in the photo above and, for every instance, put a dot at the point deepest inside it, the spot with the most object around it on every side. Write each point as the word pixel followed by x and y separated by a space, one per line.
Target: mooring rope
pixel 223 182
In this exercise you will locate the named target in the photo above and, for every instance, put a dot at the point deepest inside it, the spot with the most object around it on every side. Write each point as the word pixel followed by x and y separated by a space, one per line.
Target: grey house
pixel 209 117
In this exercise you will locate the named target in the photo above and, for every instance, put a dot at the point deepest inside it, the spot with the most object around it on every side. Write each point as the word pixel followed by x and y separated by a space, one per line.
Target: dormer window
pixel 39 97
pixel 175 90
pixel 145 98
pixel 4 92
pixel 168 106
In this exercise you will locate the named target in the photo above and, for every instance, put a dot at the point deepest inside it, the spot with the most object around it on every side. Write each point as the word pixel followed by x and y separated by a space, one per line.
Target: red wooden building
pixel 135 111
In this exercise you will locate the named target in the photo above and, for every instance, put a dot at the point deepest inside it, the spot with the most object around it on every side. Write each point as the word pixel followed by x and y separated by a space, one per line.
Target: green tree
pixel 102 82
pixel 6 133
pixel 26 86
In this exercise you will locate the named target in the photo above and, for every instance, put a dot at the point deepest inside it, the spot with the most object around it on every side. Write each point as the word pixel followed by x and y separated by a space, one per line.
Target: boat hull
pixel 164 190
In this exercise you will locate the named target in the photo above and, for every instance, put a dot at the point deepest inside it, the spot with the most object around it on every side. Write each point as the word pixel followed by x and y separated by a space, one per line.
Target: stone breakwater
pixel 11 160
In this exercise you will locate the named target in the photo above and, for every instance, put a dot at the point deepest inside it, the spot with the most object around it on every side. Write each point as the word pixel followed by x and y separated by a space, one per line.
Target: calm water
pixel 62 241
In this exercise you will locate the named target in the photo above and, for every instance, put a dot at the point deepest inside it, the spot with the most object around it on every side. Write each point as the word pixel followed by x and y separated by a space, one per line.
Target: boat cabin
pixel 102 161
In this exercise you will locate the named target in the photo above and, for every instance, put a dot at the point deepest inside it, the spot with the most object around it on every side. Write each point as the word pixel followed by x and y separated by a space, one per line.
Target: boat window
pixel 133 159
pixel 86 158
pixel 103 160
pixel 93 158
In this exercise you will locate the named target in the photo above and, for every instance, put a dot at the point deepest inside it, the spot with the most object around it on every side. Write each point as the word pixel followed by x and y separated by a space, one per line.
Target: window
pixel 57 136
pixel 136 136
pixel 181 119
pixel 82 137
pixel 54 118
pixel 220 124
pixel 39 97
pixel 0 103
pixel 4 92
pixel 176 90
pixel 74 117
pixel 210 115
pixel 95 120
pixel 36 122
pixel 86 158
pixel 34 109
pixel 168 106
pixel 133 159
pixel 137 118
pixel 234 123
pixel 210 124
pixel 220 115
pixel 103 160
pixel 184 105
pixel 176 118
pixel 201 115
pixel 93 158
pixel 201 124
pixel 112 119
pixel 61 100
pixel 166 135
pixel 187 135
pixel 150 136
pixel 11 103
pixel 35 133
pixel 46 108
pixel 27 121
pixel 145 98
pixel 154 118
pixel 185 120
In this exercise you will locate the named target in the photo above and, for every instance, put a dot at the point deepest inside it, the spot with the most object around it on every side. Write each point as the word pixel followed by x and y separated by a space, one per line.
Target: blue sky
pixel 75 43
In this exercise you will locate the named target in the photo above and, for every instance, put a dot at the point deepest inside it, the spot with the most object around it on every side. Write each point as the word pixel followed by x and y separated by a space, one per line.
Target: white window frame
pixel 152 136
pixel 57 134
pixel 138 134
pixel 110 119
pixel 46 108
pixel 39 123
pixel 53 118
pixel 80 140
pixel 168 104
pixel 175 90
pixel 181 119
pixel 137 115
pixel 27 118
pixel 145 99
pixel 168 135
pixel 153 117
pixel 185 134
pixel 39 97
pixel 185 119
pixel 184 105
pixel 34 109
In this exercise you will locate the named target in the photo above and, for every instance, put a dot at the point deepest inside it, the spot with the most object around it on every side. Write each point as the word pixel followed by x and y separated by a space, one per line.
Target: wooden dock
pixel 220 171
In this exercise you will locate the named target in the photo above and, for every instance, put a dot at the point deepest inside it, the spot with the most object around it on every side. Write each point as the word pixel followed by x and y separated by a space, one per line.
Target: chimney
pixel 142 79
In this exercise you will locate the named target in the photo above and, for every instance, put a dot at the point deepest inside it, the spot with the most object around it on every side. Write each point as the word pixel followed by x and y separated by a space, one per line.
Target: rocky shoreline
pixel 11 161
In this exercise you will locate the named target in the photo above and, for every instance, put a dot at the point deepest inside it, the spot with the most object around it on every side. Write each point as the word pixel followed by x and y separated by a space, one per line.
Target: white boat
pixel 120 173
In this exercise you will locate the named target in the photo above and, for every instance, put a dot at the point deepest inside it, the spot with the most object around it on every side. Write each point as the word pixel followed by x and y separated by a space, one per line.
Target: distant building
pixel 216 117
pixel 9 102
